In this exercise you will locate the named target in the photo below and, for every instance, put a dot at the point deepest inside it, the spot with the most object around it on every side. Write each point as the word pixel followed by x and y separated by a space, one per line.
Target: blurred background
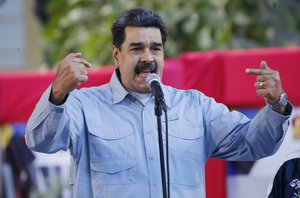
pixel 208 45
pixel 38 33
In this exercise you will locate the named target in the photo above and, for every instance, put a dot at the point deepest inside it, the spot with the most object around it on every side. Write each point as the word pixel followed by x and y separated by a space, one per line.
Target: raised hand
pixel 71 72
pixel 268 84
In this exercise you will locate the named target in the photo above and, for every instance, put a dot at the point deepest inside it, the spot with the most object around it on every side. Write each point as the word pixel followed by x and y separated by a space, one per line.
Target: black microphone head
pixel 153 81
pixel 152 77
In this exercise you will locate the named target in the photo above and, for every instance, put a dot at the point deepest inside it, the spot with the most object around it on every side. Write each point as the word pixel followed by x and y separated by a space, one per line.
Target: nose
pixel 147 56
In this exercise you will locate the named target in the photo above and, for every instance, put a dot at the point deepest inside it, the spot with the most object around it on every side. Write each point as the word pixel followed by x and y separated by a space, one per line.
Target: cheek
pixel 129 64
pixel 160 66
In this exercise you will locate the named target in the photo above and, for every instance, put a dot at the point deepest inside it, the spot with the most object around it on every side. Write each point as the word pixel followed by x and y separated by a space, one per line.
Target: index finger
pixel 82 61
pixel 258 71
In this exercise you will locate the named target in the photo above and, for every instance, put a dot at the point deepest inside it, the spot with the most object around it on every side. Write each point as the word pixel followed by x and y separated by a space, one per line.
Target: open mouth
pixel 144 73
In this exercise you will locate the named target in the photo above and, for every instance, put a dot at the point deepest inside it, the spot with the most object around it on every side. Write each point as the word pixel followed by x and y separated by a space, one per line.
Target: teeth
pixel 146 71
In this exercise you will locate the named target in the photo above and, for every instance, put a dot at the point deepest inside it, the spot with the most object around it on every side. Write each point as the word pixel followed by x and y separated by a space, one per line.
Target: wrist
pixel 281 103
pixel 57 97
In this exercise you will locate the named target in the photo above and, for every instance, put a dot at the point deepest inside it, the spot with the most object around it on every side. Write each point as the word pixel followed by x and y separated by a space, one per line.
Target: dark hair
pixel 138 17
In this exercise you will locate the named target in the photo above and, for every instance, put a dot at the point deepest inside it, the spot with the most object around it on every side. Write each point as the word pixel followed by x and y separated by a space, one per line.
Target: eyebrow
pixel 156 44
pixel 134 44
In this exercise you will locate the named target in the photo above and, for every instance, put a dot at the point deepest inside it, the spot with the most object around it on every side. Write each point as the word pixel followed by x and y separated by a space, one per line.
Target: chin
pixel 144 89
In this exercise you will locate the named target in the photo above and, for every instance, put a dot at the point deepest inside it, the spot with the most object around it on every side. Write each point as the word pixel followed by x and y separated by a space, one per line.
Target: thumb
pixel 263 65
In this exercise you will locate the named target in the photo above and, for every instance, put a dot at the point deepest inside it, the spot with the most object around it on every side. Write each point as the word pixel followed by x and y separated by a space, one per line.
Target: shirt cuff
pixel 288 110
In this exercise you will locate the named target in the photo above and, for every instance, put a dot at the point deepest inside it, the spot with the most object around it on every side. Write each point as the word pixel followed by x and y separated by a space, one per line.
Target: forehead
pixel 142 34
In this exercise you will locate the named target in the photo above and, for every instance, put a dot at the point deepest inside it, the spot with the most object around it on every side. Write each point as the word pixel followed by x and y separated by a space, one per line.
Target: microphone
pixel 153 81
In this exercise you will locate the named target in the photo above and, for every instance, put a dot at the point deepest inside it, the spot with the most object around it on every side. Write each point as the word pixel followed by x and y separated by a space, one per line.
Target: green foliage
pixel 193 25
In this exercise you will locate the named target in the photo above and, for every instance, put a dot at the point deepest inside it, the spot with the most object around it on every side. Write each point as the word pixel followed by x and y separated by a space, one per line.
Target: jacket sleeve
pixel 49 128
pixel 232 136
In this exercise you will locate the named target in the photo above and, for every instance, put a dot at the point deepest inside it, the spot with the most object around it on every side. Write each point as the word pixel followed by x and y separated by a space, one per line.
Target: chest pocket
pixel 182 129
pixel 112 154
pixel 186 151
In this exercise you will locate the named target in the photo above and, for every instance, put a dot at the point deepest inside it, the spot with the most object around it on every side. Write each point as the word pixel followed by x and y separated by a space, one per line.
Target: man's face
pixel 141 53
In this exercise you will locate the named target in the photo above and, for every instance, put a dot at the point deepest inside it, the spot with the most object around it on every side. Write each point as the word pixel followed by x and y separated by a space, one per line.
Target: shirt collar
pixel 119 92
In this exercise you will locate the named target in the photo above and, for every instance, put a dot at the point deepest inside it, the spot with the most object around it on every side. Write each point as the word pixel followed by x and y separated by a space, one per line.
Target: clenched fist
pixel 71 72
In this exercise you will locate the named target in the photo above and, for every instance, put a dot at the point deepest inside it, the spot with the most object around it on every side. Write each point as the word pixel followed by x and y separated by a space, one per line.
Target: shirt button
pixel 151 158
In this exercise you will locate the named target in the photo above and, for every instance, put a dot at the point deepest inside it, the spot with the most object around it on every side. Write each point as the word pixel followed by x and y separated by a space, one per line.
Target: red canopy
pixel 221 74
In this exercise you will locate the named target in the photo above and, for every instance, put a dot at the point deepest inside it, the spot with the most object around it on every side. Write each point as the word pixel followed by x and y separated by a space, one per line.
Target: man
pixel 111 130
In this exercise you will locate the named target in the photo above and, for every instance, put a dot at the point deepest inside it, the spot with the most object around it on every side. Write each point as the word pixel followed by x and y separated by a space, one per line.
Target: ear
pixel 116 54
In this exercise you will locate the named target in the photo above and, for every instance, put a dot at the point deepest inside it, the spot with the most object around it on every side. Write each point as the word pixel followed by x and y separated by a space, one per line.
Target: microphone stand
pixel 158 113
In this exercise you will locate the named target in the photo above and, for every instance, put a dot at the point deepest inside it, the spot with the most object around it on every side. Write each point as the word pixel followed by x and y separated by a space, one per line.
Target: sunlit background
pixel 37 33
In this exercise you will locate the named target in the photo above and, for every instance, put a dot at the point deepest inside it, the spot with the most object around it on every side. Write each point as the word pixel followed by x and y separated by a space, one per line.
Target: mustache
pixel 144 67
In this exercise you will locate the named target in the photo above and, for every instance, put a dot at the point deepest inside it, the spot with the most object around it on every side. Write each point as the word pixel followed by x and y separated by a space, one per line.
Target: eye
pixel 156 49
pixel 136 49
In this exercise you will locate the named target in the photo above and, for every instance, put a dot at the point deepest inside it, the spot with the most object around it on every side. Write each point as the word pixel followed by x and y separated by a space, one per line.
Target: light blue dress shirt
pixel 113 139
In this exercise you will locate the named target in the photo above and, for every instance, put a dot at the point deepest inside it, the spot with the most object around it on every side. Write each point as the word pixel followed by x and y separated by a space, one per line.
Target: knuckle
pixel 275 74
pixel 275 77
pixel 82 78
pixel 70 54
